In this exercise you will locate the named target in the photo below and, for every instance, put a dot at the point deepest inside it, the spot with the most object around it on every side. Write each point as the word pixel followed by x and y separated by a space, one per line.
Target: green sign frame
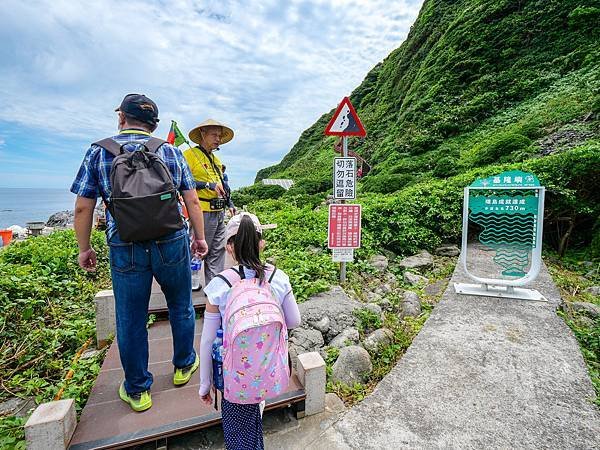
pixel 509 209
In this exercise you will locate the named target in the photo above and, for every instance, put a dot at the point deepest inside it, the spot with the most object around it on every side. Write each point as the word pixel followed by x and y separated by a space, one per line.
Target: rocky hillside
pixel 478 85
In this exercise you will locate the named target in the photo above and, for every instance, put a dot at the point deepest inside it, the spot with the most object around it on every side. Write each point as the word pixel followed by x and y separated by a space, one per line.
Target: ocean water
pixel 21 205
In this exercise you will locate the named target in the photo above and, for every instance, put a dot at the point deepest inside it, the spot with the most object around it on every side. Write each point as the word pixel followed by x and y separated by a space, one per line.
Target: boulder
pixel 380 262
pixel 436 288
pixel 386 305
pixel 306 339
pixel 352 366
pixel 422 260
pixel 377 339
pixel 374 297
pixel 594 290
pixel 390 278
pixel 447 250
pixel 410 305
pixel 586 308
pixel 61 219
pixel 321 325
pixel 375 309
pixel 333 304
pixel 385 288
pixel 413 279
pixel 348 335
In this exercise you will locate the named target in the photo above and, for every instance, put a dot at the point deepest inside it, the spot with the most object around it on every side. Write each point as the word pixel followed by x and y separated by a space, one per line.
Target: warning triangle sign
pixel 345 121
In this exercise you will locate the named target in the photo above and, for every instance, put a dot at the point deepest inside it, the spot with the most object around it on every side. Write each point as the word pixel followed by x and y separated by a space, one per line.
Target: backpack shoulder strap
pixel 110 145
pixel 272 274
pixel 230 276
pixel 153 144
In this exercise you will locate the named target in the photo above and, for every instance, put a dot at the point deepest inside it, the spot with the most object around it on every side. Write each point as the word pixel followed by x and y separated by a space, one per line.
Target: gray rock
pixel 385 288
pixel 377 339
pixel 386 305
pixel 375 309
pixel 307 339
pixel 341 340
pixel 321 325
pixel 594 290
pixel 390 278
pixel 380 262
pixel 90 353
pixel 61 219
pixel 16 406
pixel 374 297
pixel 447 250
pixel 410 305
pixel 588 263
pixel 436 288
pixel 413 279
pixel 352 366
pixel 334 304
pixel 423 260
pixel 586 308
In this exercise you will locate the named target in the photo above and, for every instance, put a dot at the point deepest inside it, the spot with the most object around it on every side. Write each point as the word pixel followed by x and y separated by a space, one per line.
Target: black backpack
pixel 144 199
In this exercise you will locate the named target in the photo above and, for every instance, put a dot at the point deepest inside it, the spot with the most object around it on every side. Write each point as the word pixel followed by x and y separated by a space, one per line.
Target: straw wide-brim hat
pixel 225 137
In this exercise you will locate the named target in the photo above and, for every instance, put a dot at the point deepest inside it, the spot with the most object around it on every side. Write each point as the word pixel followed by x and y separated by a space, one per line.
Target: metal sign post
pixel 344 123
pixel 345 155
pixel 507 210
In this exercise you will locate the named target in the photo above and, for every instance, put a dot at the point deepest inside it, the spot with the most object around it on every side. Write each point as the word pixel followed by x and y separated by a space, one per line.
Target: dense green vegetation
pixel 573 274
pixel 47 306
pixel 478 87
pixel 477 82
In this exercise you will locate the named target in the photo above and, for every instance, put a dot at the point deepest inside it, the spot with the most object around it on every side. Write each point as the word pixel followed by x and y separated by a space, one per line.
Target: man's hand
pixel 199 247
pixel 87 260
pixel 220 190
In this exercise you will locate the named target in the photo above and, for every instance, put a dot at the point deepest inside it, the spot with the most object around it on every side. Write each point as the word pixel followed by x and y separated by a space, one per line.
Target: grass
pixel 569 274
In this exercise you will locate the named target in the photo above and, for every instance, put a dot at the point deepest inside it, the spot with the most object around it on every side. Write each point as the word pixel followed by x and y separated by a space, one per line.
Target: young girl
pixel 242 423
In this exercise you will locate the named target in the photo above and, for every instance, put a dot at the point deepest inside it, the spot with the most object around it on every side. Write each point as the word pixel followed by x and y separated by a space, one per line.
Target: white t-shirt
pixel 217 291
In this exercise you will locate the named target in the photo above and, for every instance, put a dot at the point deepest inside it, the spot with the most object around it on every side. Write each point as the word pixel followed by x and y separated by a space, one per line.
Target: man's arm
pixel 193 208
pixel 84 214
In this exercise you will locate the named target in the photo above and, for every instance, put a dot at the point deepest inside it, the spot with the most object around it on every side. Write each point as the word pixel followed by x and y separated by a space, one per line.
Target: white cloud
pixel 267 68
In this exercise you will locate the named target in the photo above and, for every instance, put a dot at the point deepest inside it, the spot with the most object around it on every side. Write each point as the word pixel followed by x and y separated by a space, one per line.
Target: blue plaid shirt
pixel 93 177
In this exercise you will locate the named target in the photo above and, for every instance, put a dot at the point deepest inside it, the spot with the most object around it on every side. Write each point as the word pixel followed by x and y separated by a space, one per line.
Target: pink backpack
pixel 255 360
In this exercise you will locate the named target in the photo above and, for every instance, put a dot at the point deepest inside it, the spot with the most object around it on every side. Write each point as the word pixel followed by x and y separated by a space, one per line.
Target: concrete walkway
pixel 483 373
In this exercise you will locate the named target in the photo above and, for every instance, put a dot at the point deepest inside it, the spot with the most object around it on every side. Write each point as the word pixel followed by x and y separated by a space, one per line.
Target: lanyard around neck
pixel 134 131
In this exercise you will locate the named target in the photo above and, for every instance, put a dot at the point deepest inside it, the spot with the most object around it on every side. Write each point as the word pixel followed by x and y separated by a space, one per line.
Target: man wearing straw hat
pixel 207 170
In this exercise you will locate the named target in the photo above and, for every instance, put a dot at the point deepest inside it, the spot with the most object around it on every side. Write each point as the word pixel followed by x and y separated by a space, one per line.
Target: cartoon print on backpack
pixel 247 361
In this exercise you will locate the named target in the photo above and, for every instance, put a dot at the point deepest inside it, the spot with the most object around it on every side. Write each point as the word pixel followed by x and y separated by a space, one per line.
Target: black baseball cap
pixel 139 107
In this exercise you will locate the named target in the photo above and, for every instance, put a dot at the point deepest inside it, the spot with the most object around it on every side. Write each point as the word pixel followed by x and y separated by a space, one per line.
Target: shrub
pixel 386 184
pixel 500 147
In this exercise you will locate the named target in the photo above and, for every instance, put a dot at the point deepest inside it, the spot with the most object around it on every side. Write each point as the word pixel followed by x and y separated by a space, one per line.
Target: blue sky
pixel 268 69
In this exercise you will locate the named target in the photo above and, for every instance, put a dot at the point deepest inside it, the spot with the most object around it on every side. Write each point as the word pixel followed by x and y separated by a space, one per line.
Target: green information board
pixel 506 212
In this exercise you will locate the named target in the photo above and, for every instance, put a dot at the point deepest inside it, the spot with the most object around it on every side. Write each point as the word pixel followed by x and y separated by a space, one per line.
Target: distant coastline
pixel 21 205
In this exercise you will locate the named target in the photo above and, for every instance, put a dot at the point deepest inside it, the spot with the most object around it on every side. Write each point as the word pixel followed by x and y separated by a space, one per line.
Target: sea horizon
pixel 21 205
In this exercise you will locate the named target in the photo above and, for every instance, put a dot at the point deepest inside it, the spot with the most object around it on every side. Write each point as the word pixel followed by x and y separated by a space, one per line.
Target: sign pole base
pixel 491 290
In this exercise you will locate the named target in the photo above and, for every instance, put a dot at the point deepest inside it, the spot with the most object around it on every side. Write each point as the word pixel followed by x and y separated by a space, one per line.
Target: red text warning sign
pixel 344 226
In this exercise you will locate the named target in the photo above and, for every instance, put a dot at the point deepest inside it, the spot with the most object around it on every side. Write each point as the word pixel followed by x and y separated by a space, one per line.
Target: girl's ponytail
pixel 246 246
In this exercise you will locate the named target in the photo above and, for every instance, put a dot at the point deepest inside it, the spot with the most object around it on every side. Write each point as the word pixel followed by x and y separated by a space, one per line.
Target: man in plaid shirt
pixel 134 264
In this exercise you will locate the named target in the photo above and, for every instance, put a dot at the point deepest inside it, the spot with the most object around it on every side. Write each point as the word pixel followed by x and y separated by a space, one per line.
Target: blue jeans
pixel 133 264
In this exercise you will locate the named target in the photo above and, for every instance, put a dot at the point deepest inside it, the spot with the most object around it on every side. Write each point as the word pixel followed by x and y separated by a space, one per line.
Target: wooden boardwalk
pixel 108 422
